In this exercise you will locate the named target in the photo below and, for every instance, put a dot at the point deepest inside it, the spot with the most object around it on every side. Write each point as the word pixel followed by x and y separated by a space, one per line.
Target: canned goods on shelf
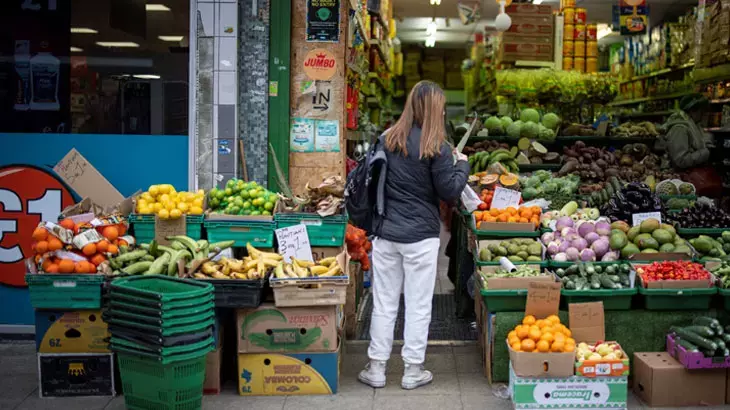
pixel 579 64
pixel 567 63
pixel 592 32
pixel 569 15
pixel 592 48
pixel 591 65
pixel 566 3
pixel 580 32
pixel 568 48
pixel 579 49
pixel 581 15
pixel 568 32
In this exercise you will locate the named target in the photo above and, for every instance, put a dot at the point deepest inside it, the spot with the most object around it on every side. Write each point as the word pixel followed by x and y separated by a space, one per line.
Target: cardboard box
pixel 543 300
pixel 530 48
pixel 587 323
pixel 87 181
pixel 520 9
pixel 212 382
pixel 485 243
pixel 661 381
pixel 81 331
pixel 298 329
pixel 506 227
pixel 572 392
pixel 513 283
pixel 75 375
pixel 272 374
pixel 351 304
pixel 314 291
pixel 531 26
pixel 727 388
pixel 672 284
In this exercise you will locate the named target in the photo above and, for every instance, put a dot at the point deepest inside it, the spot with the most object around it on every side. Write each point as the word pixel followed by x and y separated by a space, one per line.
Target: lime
pixel 235 210
pixel 247 205
pixel 231 183
pixel 228 191
pixel 269 206
pixel 255 213
pixel 247 212
pixel 253 193
pixel 267 213
pixel 220 195
pixel 238 202
pixel 214 203
pixel 244 194
pixel 213 192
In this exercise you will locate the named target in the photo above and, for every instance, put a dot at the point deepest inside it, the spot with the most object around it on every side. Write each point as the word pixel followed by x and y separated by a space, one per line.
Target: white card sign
pixel 294 241
pixel 639 218
pixel 504 198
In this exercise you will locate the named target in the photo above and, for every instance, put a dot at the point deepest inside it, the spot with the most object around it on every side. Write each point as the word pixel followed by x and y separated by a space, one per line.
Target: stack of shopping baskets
pixel 162 329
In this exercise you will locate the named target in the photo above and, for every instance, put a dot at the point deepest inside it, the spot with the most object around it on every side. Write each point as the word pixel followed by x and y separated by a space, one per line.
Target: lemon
pixel 200 192
pixel 146 210
pixel 157 207
pixel 198 202
pixel 163 214
pixel 196 210
pixel 182 206
pixel 175 213
pixel 164 198
pixel 153 190
pixel 147 197
pixel 164 188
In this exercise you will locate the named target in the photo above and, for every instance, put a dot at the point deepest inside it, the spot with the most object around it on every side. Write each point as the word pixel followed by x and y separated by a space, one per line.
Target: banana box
pixel 76 375
pixel 289 329
pixel 80 331
pixel 274 374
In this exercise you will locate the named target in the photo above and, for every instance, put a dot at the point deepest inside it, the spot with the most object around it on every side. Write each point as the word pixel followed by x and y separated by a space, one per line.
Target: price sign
pixel 294 241
pixel 639 218
pixel 28 196
pixel 543 299
pixel 504 198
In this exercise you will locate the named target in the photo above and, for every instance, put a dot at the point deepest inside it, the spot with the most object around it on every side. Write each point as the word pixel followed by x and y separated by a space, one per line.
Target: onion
pixel 572 254
pixel 592 237
pixel 563 245
pixel 587 255
pixel 585 228
pixel 560 257
pixel 600 247
pixel 547 237
pixel 568 231
pixel 553 248
pixel 603 228
pixel 564 222
pixel 579 244
pixel 610 256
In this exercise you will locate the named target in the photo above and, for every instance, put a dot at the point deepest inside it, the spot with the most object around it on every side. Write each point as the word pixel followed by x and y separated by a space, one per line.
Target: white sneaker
pixel 374 374
pixel 415 376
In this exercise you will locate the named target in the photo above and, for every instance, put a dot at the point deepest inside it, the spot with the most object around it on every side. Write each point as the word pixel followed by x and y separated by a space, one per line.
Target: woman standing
pixel 421 171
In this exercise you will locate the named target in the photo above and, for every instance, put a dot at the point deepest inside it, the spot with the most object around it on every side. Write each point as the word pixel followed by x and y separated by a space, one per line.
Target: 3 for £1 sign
pixel 28 195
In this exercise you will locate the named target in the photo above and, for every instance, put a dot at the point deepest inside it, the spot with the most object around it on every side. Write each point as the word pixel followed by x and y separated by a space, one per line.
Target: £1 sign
pixel 28 195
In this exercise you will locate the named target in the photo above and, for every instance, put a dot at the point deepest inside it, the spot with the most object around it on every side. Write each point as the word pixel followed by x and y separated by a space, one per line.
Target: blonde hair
pixel 424 108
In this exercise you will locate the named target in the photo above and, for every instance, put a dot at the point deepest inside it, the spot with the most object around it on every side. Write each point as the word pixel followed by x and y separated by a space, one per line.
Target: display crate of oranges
pixel 509 221
pixel 541 347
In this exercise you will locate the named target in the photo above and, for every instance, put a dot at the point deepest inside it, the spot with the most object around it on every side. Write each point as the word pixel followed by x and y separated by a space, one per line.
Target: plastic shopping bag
pixel 470 199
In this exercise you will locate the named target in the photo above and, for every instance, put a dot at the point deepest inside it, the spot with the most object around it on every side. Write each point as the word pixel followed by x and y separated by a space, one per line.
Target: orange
pixel 526 213
pixel 557 346
pixel 569 348
pixel 110 232
pixel 554 319
pixel 523 332
pixel 549 337
pixel 66 266
pixel 40 234
pixel 559 336
pixel 494 212
pixel 517 346
pixel 523 220
pixel 54 244
pixel 98 259
pixel 511 334
pixel 567 332
pixel 102 246
pixel 547 329
pixel 503 218
pixel 511 210
pixel 92 268
pixel 89 249
pixel 122 228
pixel 122 242
pixel 46 263
pixel 543 346
pixel 535 334
pixel 81 267
pixel 528 320
pixel 528 345
pixel 68 224
pixel 113 249
pixel 570 340
pixel 540 323
pixel 41 247
pixel 52 268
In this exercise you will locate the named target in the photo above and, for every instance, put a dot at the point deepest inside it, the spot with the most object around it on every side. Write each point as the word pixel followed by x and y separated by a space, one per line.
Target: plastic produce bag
pixel 470 199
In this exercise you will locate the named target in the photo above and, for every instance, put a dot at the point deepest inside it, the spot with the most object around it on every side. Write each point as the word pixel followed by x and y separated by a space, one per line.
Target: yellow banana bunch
pixel 305 269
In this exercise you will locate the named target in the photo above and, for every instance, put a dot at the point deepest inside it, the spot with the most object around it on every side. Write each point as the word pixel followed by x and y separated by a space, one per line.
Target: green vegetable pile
pixel 722 272
pixel 710 248
pixel 587 276
pixel 541 184
pixel 705 335
pixel 516 250
pixel 522 271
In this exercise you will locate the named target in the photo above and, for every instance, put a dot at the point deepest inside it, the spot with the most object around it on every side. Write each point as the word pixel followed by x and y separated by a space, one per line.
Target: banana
pixel 333 271
pixel 250 264
pixel 302 263
pixel 279 271
pixel 270 262
pixel 197 275
pixel 327 261
pixel 318 270
pixel 226 270
pixel 289 271
pixel 236 266
pixel 219 275
pixel 237 275
pixel 209 268
pixel 255 253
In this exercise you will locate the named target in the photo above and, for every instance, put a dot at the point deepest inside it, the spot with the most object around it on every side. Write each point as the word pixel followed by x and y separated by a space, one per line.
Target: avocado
pixel 485 255
pixel 703 244
pixel 515 258
pixel 649 225
pixel 631 234
pixel 535 249
pixel 648 243
pixel 501 251
pixel 534 259
pixel 629 250
pixel 662 236
pixel 640 237
pixel 617 240
pixel 667 248
pixel 523 255
pixel 513 249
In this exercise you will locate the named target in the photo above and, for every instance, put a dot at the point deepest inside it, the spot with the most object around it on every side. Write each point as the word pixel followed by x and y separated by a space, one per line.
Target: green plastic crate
pixel 174 383
pixel 258 233
pixel 166 308
pixel 193 327
pixel 725 294
pixel 161 314
pixel 701 231
pixel 160 322
pixel 554 264
pixel 327 231
pixel 67 292
pixel 143 227
pixel 677 299
pixel 613 299
pixel 122 344
pixel 504 300
pixel 161 288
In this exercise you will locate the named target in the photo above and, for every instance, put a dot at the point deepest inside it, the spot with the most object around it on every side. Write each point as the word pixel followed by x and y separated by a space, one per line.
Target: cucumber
pixel 595 282
pixel 706 321
pixel 607 282
pixel 624 279
pixel 699 341
pixel 720 343
pixel 688 346
pixel 138 267
pixel 590 270
pixel 614 278
pixel 726 337
pixel 570 285
pixel 703 331
pixel 611 269
pixel 708 353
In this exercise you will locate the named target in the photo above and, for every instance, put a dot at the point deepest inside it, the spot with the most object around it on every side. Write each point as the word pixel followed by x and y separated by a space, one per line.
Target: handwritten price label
pixel 504 198
pixel 294 242
pixel 637 219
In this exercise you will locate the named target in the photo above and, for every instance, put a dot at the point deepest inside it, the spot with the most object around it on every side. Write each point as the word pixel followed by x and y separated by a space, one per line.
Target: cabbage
pixel 529 130
pixel 491 124
pixel 546 134
pixel 514 130
pixel 506 121
pixel 530 114
pixel 551 121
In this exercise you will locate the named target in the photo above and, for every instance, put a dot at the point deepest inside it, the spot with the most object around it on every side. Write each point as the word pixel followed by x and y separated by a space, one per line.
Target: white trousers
pixel 410 268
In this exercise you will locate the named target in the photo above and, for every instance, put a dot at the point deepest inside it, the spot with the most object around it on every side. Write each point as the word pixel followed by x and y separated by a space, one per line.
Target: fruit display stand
pixel 613 299
pixel 143 227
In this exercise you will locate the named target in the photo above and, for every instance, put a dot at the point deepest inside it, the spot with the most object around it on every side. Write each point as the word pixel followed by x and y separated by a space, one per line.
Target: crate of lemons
pixel 165 202
pixel 541 335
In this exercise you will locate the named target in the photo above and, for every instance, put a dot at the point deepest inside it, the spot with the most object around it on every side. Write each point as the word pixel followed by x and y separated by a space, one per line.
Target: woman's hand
pixel 459 156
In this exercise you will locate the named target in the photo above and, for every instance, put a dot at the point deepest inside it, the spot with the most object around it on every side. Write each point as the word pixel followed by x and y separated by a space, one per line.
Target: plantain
pixel 208 268
pixel 226 270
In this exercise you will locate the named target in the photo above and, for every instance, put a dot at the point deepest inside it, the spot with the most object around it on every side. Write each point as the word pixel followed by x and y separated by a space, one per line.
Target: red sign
pixel 320 64
pixel 28 195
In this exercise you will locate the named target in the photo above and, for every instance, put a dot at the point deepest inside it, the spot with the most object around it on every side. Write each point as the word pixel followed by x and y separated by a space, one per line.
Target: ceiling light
pixel 603 30
pixel 117 44
pixel 156 7
pixel 503 21
pixel 435 2
pixel 430 41
pixel 536 1
pixel 146 76
pixel 76 49
pixel 170 38
pixel 83 30
pixel 431 28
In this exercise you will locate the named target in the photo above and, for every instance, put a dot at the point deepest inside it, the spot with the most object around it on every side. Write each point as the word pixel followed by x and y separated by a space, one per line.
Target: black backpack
pixel 365 188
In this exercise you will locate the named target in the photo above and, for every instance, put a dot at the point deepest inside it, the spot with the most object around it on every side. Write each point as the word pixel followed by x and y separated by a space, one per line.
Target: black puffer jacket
pixel 413 188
